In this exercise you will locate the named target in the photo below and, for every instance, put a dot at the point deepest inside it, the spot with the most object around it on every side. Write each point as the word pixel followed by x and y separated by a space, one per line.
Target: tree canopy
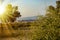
pixel 11 13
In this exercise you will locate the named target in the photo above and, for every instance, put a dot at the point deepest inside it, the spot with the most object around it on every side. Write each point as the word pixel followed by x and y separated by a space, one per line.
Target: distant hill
pixel 28 18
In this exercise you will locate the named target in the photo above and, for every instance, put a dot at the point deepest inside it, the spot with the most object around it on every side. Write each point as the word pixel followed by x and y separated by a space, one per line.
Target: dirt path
pixel 9 39
pixel 25 37
pixel 12 38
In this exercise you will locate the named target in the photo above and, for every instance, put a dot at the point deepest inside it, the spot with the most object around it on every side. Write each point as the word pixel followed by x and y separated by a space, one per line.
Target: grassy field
pixel 30 31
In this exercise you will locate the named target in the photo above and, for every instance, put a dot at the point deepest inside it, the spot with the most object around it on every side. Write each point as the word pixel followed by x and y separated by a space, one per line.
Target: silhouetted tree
pixel 12 13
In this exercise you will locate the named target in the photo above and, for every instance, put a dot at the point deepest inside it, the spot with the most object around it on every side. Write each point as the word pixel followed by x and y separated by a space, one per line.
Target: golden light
pixel 2 9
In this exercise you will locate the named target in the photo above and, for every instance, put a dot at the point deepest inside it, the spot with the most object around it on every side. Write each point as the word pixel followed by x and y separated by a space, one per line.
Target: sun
pixel 2 9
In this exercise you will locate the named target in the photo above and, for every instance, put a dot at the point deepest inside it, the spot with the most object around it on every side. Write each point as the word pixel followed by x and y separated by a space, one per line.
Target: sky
pixel 30 8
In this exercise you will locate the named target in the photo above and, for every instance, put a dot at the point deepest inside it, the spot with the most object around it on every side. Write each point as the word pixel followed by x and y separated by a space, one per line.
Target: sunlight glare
pixel 2 9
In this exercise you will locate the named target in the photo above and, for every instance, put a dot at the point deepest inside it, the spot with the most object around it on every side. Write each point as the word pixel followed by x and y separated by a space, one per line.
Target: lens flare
pixel 2 9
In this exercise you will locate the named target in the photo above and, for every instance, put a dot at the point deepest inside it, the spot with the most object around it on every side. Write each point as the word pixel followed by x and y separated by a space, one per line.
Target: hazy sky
pixel 31 7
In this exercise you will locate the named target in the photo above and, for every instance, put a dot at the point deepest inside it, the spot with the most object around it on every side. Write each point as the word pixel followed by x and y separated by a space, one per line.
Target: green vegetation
pixel 48 27
pixel 44 28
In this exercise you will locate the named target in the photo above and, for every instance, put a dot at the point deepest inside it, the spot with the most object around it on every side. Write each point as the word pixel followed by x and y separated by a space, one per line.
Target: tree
pixel 11 13
pixel 8 18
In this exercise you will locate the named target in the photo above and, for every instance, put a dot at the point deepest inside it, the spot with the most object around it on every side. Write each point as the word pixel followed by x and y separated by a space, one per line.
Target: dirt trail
pixel 15 38
pixel 25 37
pixel 9 39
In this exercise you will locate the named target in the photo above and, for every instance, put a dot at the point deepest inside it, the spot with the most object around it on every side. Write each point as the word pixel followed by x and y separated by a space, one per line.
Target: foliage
pixel 10 14
pixel 44 28
pixel 8 18
pixel 48 27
